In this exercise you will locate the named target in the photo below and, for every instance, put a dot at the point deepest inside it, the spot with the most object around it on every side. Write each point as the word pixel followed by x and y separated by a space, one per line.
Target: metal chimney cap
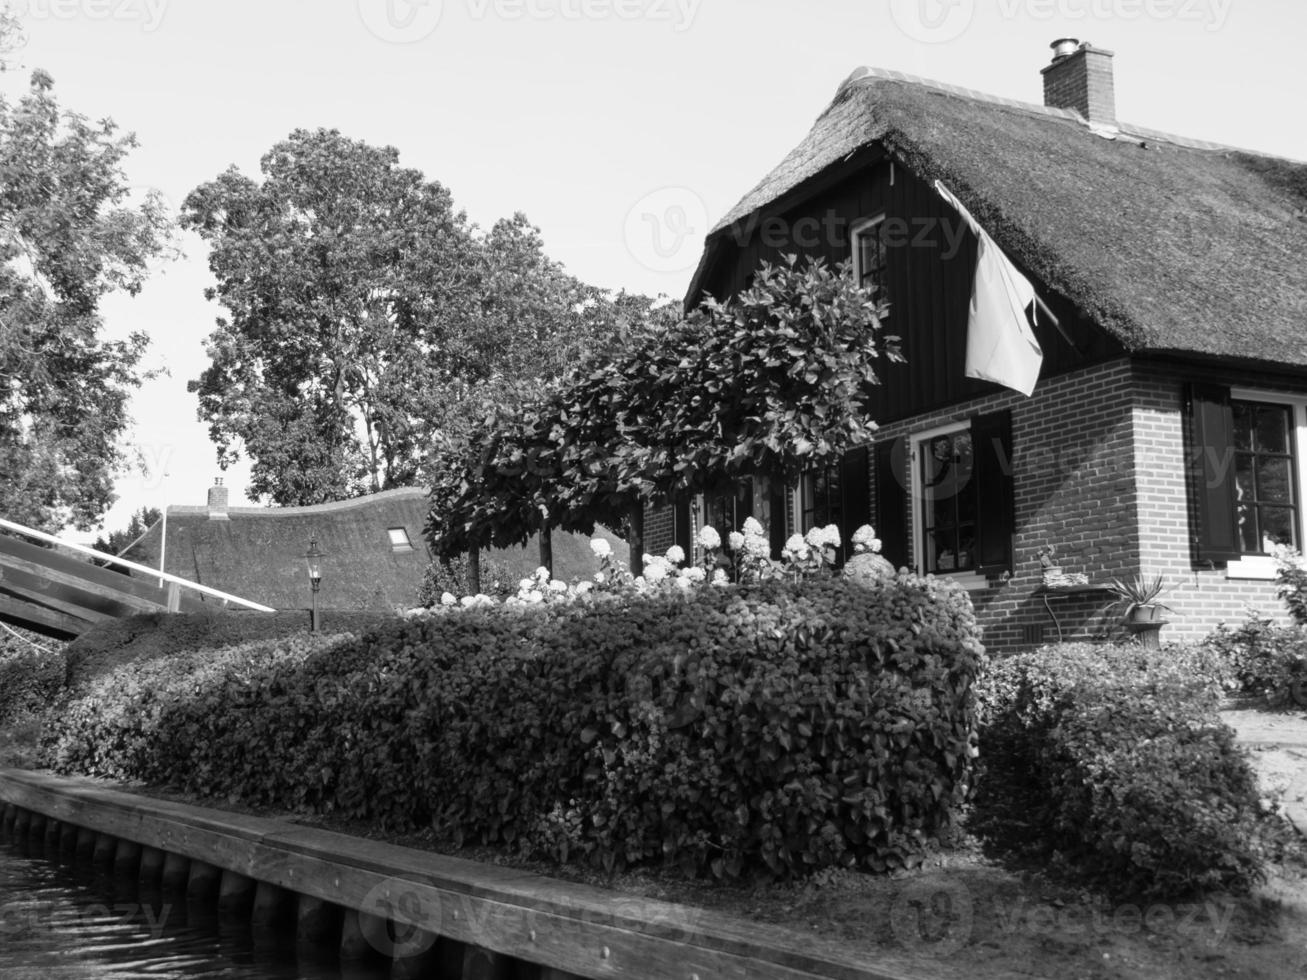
pixel 1064 47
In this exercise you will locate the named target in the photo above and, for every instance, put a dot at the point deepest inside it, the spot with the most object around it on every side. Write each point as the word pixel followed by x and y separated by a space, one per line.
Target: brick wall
pixel 1072 460
pixel 659 529
pixel 1203 597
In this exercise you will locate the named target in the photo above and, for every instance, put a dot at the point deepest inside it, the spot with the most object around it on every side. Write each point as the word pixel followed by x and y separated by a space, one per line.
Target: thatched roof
pixel 1171 245
pixel 257 553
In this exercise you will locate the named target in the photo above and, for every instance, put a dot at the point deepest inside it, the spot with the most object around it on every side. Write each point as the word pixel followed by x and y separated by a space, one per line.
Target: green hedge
pixel 160 634
pixel 31 675
pixel 777 726
pixel 1263 659
pixel 1117 761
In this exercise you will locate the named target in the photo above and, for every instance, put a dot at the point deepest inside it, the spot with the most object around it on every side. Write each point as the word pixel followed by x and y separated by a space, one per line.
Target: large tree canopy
pixel 68 236
pixel 769 384
pixel 368 319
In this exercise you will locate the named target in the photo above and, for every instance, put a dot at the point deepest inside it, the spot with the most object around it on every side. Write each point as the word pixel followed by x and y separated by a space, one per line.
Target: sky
pixel 624 129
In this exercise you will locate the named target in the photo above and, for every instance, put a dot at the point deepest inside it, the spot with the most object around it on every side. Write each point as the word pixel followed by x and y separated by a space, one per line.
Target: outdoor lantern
pixel 313 558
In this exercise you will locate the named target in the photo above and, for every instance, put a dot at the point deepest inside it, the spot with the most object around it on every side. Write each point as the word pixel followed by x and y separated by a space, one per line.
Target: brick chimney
pixel 218 501
pixel 1080 78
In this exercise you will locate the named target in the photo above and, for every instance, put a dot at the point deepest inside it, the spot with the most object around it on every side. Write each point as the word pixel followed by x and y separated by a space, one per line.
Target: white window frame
pixel 859 229
pixel 969 579
pixel 1262 567
pixel 399 547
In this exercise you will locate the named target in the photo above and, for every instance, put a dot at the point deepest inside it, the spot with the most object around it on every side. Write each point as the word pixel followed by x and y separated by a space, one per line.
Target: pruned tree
pixel 768 384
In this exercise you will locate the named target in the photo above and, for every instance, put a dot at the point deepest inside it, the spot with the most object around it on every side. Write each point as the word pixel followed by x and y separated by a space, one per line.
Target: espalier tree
pixel 768 384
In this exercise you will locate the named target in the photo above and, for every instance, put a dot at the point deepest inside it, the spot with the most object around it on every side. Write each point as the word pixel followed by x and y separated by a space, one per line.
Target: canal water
pixel 65 919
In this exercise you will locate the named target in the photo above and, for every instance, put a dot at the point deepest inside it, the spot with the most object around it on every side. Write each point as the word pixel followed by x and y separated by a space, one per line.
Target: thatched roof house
pixel 375 553
pixel 1105 332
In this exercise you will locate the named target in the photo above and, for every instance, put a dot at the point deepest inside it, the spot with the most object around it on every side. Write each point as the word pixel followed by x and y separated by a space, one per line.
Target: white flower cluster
pixel 865 541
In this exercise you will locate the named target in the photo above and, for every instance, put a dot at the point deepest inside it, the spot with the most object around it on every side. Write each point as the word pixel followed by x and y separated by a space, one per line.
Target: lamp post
pixel 313 558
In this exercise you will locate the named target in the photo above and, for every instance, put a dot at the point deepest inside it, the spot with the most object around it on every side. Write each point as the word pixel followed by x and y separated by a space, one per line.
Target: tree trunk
pixel 635 518
pixel 547 547
pixel 474 571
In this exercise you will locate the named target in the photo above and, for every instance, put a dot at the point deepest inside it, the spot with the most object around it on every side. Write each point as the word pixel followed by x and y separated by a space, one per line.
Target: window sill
pixel 1259 568
pixel 970 581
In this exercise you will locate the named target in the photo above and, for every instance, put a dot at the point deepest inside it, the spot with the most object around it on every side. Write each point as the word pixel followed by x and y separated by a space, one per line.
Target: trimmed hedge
pixel 777 726
pixel 161 634
pixel 31 676
pixel 1121 765
pixel 1263 659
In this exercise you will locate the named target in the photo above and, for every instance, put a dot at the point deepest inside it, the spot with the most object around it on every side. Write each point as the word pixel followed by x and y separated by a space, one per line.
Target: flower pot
pixel 1145 614
pixel 1146 631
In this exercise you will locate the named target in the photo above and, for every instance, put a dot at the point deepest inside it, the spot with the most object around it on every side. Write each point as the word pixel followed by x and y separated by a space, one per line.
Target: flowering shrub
pixel 1291 579
pixel 1120 766
pixel 776 726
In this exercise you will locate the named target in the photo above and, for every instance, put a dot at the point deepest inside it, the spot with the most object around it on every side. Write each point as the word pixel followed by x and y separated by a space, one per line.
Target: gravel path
pixel 1277 741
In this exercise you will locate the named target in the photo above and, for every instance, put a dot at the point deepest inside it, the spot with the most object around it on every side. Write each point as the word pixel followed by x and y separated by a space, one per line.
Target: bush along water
pixel 787 724
pixel 1120 766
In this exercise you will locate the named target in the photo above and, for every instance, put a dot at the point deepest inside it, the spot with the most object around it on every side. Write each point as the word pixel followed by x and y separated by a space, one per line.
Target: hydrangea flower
pixel 655 570
pixel 601 548
pixel 796 546
pixel 526 585
pixel 542 575
pixel 736 540
pixel 557 587
pixel 815 538
pixel 719 577
pixel 676 554
pixel 864 539
pixel 830 535
pixel 694 575
pixel 751 526
pixel 709 538
pixel 448 599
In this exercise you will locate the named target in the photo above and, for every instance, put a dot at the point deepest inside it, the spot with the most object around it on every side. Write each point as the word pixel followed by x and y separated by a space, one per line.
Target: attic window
pixel 870 257
pixel 399 542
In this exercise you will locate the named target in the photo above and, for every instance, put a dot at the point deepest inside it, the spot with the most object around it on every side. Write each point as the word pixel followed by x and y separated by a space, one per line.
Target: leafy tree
pixel 68 236
pixel 115 541
pixel 768 384
pixel 368 320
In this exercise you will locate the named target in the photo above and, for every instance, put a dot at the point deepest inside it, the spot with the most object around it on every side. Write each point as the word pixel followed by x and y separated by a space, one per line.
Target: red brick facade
pixel 1098 466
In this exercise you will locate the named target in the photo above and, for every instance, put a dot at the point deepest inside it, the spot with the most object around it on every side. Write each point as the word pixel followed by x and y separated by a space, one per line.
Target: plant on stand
pixel 1141 610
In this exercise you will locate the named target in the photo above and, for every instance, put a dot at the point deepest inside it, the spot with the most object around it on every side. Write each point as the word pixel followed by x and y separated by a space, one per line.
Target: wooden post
pixel 316 921
pixel 85 843
pixel 362 935
pixel 36 826
pixel 10 814
pixel 176 872
pixel 22 823
pixel 235 893
pixel 68 838
pixel 547 547
pixel 483 964
pixel 106 845
pixel 174 597
pixel 273 906
pixel 203 882
pixel 635 518
pixel 127 858
pixel 52 831
pixel 151 869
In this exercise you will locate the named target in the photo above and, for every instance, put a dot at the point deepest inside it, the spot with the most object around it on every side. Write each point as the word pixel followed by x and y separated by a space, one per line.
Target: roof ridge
pixel 186 510
pixel 1128 130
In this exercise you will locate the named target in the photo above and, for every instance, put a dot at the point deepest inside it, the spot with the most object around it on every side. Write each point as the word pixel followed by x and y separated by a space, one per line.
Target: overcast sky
pixel 623 128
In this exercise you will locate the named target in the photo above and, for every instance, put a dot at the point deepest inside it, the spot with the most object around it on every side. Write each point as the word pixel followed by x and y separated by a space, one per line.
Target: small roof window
pixel 399 541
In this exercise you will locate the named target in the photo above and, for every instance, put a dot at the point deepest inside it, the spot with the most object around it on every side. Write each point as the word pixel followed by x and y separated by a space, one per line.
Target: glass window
pixel 870 257
pixel 399 540
pixel 948 502
pixel 1266 495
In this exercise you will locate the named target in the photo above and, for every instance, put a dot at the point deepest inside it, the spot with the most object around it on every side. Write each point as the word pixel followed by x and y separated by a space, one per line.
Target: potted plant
pixel 1141 611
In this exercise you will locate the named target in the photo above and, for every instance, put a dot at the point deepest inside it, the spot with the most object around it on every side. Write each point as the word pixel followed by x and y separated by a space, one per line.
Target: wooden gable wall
pixel 930 276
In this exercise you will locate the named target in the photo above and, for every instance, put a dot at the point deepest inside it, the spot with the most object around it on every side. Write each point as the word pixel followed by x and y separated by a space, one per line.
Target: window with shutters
pixel 839 494
pixel 961 488
pixel 1247 472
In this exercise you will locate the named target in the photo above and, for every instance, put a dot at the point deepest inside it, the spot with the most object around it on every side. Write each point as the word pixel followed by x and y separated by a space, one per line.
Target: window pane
pixel 1272 429
pixel 1273 476
pixel 1277 528
pixel 1243 425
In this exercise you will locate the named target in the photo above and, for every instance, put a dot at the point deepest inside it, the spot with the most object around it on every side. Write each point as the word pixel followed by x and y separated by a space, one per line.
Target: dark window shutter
pixel 991 444
pixel 855 485
pixel 891 521
pixel 778 529
pixel 682 530
pixel 1211 472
